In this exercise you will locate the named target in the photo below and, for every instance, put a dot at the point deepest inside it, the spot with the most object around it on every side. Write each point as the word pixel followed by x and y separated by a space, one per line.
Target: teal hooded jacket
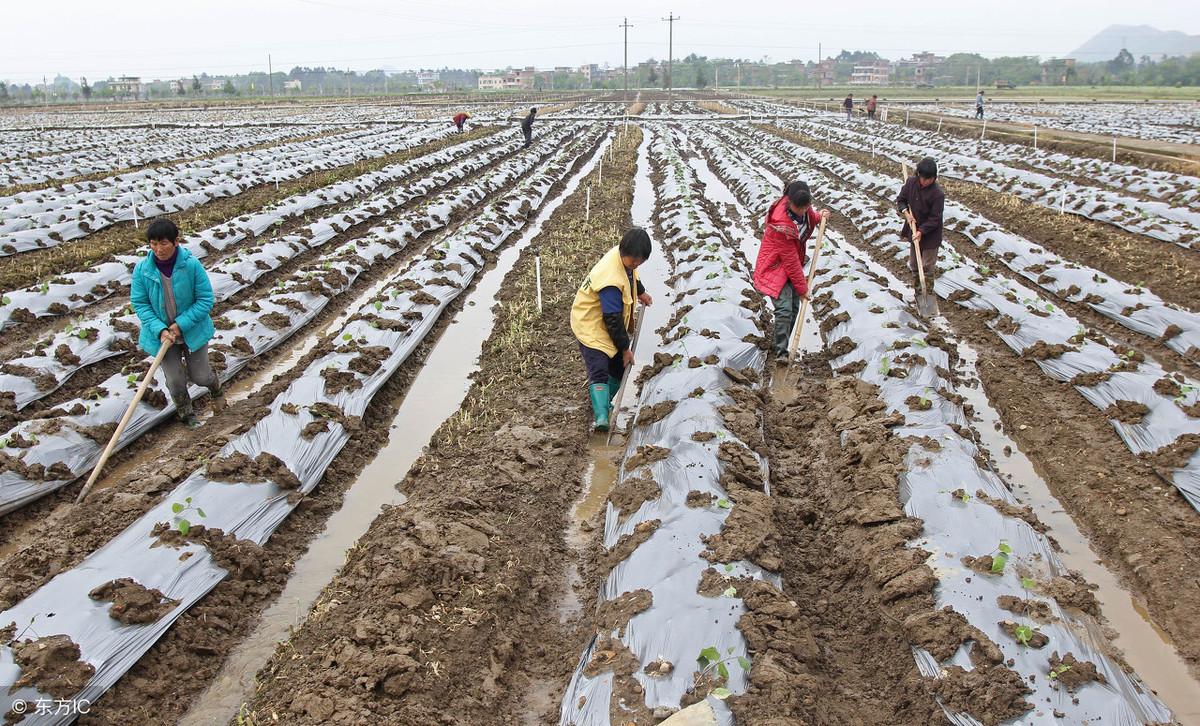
pixel 193 302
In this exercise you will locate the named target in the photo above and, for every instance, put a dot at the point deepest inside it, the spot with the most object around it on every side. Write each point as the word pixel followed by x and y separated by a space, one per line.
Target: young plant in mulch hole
pixel 710 661
pixel 179 509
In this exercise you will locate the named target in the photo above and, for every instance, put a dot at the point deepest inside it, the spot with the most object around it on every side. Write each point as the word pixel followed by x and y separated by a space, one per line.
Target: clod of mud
pixel 242 558
pixel 942 633
pixel 628 702
pixel 661 362
pixel 1072 672
pixel 1168 386
pixel 748 534
pixel 742 470
pixel 703 436
pixel 238 467
pixel 1042 350
pixel 744 376
pixel 1127 412
pixel 632 492
pixel 615 614
pixel 1036 639
pixel 701 500
pixel 992 695
pixel 1029 608
pixel 275 321
pixel 1007 325
pixel 630 542
pixel 132 602
pixel 337 381
pixel 1072 591
pixel 918 403
pixel 1091 379
pixel 657 412
pixel 1009 509
pixel 51 665
pixel 646 455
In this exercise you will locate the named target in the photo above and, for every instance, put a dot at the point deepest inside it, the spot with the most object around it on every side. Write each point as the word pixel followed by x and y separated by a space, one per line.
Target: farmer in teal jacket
pixel 172 298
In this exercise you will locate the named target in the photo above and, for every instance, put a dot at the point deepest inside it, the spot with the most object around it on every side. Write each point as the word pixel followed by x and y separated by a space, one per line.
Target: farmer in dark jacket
pixel 848 104
pixel 172 298
pixel 922 195
pixel 527 126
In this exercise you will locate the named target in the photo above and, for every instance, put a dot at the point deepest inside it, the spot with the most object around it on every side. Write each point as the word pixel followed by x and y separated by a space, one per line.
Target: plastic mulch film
pixel 950 492
pixel 1132 306
pixel 863 315
pixel 286 453
pixel 37 373
pixel 49 217
pixel 42 455
pixel 1150 409
pixel 712 281
pixel 70 291
pixel 1157 220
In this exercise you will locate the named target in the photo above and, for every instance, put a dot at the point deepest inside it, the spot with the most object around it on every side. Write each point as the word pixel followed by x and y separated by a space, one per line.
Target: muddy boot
pixel 600 404
pixel 218 397
pixel 183 412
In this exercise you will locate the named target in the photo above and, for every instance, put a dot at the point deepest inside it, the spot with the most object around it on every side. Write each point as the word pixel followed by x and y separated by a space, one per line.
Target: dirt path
pixel 1141 526
pixel 1172 272
pixel 446 610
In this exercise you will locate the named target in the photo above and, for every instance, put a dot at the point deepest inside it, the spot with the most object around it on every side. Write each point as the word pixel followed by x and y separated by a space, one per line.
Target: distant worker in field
pixel 779 269
pixel 848 104
pixel 461 119
pixel 925 199
pixel 872 103
pixel 979 104
pixel 602 318
pixel 172 297
pixel 527 126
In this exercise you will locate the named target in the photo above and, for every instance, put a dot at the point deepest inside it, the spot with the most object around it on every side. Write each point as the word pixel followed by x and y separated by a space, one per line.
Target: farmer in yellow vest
pixel 602 316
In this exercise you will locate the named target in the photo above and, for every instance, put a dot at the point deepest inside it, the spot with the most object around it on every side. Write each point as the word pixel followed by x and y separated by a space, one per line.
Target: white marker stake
pixel 984 131
pixel 600 173
pixel 939 128
pixel 133 206
pixel 537 266
pixel 1062 203
pixel 1035 137
pixel 906 118
pixel 1114 149
pixel 276 176
pixel 587 210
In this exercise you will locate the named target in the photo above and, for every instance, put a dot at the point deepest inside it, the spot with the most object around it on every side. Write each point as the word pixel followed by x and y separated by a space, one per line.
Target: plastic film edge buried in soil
pixel 680 624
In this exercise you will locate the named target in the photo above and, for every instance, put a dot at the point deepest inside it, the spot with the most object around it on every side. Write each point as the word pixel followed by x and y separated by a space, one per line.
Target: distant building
pixel 823 73
pixel 508 80
pixel 127 87
pixel 293 85
pixel 924 66
pixel 180 86
pixel 872 73
pixel 216 85
pixel 426 79
pixel 1057 71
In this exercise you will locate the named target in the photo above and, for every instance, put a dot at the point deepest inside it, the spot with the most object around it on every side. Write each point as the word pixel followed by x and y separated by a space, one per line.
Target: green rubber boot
pixel 614 385
pixel 600 403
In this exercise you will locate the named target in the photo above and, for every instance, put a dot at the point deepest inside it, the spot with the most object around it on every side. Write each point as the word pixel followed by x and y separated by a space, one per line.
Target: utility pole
pixel 818 65
pixel 670 20
pixel 977 78
pixel 270 77
pixel 625 24
pixel 46 94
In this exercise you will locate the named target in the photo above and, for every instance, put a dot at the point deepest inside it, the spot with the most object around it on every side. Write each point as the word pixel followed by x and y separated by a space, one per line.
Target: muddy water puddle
pixel 436 393
pixel 1146 648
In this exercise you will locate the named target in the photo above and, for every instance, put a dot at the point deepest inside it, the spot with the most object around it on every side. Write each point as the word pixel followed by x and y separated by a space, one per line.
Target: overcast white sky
pixel 172 38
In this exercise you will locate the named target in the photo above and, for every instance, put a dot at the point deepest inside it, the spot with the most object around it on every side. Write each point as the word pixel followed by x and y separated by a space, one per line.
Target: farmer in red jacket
pixel 779 270
pixel 461 119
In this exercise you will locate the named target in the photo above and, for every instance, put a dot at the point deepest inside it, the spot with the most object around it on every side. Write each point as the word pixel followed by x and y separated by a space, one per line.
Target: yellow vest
pixel 587 320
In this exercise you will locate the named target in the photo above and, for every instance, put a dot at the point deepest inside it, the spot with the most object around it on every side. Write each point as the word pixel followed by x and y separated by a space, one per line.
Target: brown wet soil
pixel 832 648
pixel 51 664
pixel 133 602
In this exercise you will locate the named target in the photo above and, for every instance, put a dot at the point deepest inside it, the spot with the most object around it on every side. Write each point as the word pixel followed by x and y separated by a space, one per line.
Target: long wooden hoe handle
pixel 112 443
pixel 637 333
pixel 812 273
pixel 912 230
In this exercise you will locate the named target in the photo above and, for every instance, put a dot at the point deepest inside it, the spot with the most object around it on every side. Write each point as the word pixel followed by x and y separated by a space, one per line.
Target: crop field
pixel 986 516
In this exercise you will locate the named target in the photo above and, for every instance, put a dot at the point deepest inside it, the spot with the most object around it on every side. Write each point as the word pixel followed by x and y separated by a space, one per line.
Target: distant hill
pixel 1139 39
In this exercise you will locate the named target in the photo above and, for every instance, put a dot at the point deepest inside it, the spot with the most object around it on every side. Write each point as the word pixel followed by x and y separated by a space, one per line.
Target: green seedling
pixel 347 337
pixel 1028 583
pixel 885 366
pixel 82 333
pixel 1061 669
pixel 378 306
pixel 45 288
pixel 1000 559
pixel 181 508
pixel 724 503
pixel 729 567
pixel 4 442
pixel 730 592
pixel 6 300
pixel 1023 634
pixel 131 378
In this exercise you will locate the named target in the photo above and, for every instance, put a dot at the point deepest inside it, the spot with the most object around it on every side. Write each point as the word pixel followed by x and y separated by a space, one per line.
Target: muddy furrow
pixel 405 308
pixel 472 564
